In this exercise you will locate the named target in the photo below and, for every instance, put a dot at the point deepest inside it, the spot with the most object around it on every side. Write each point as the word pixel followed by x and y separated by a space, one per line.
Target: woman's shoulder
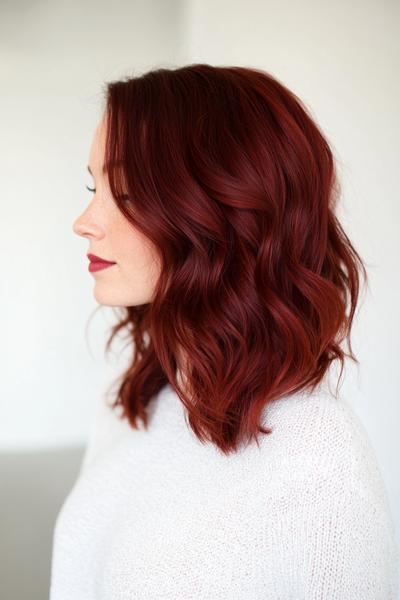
pixel 322 438
pixel 317 420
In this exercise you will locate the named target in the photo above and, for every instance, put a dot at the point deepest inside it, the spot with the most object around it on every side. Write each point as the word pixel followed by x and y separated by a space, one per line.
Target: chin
pixel 106 298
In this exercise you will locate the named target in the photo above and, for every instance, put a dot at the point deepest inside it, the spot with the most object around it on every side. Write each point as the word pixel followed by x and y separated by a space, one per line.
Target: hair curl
pixel 233 181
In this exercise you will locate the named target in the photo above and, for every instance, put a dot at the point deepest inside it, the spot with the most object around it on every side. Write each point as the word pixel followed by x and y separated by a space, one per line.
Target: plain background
pixel 341 58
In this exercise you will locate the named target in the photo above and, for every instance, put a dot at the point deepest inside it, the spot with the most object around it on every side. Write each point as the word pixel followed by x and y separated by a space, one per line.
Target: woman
pixel 231 472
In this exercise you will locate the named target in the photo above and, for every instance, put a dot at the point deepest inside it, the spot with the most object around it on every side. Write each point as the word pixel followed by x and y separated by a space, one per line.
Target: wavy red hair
pixel 234 183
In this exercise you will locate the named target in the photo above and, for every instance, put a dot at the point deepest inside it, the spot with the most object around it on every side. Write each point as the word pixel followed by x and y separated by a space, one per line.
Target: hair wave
pixel 225 171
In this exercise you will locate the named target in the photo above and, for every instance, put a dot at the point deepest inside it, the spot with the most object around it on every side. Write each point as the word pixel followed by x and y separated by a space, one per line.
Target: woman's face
pixel 111 236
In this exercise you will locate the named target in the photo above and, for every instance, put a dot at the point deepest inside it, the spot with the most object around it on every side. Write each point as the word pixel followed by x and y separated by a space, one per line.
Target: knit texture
pixel 158 515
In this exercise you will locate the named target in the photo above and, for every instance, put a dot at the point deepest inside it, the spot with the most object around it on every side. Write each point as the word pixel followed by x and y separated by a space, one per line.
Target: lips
pixel 97 259
pixel 98 264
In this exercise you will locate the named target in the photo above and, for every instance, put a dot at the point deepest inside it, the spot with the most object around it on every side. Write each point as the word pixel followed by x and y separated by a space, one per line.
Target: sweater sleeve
pixel 345 548
pixel 343 533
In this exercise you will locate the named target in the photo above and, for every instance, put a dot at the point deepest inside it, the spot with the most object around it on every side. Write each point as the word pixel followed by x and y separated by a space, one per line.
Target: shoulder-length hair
pixel 225 171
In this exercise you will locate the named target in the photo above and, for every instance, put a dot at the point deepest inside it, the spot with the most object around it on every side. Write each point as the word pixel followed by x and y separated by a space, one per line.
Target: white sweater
pixel 158 515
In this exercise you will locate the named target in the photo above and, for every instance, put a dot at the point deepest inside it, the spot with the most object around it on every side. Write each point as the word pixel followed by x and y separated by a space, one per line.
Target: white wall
pixel 341 58
pixel 55 57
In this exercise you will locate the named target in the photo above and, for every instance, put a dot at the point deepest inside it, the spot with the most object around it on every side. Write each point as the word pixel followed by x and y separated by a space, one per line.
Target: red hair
pixel 224 170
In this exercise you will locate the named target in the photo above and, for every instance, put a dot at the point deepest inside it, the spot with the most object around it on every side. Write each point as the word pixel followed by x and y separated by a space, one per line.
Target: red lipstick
pixel 97 263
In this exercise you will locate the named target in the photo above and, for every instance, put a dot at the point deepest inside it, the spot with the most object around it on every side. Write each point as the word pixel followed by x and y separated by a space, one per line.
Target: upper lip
pixel 94 258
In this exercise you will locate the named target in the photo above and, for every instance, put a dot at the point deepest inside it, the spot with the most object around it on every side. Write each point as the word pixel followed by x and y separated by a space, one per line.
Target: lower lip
pixel 98 266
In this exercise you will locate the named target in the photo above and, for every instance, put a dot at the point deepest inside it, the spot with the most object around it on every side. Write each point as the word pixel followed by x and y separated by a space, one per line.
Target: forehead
pixel 96 163
pixel 96 153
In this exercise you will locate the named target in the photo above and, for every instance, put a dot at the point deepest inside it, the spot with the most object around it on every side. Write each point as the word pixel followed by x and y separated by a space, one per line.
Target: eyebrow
pixel 104 170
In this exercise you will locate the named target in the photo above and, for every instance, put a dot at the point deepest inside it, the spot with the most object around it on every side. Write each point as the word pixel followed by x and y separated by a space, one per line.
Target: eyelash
pixel 124 197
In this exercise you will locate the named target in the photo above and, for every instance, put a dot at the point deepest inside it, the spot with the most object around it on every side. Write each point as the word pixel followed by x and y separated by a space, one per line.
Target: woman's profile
pixel 224 467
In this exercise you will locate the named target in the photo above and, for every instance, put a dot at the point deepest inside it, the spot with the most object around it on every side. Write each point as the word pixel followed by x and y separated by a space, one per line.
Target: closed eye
pixel 123 197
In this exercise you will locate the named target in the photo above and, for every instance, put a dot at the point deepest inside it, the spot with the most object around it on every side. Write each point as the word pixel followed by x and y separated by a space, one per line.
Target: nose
pixel 76 227
pixel 86 227
pixel 79 226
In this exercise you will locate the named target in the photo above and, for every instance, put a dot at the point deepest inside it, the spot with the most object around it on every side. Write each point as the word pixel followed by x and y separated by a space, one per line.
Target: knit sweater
pixel 159 515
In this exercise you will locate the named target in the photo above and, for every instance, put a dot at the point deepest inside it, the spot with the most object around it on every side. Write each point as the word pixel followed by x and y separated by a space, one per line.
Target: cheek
pixel 136 252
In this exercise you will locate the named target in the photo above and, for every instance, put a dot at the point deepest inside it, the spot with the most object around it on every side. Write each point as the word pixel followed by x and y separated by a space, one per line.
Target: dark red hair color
pixel 224 170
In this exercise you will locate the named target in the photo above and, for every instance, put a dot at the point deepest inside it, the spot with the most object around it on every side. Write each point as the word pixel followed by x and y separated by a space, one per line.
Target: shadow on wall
pixel 33 488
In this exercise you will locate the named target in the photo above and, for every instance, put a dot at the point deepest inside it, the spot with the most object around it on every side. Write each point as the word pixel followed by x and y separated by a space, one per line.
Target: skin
pixel 111 236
